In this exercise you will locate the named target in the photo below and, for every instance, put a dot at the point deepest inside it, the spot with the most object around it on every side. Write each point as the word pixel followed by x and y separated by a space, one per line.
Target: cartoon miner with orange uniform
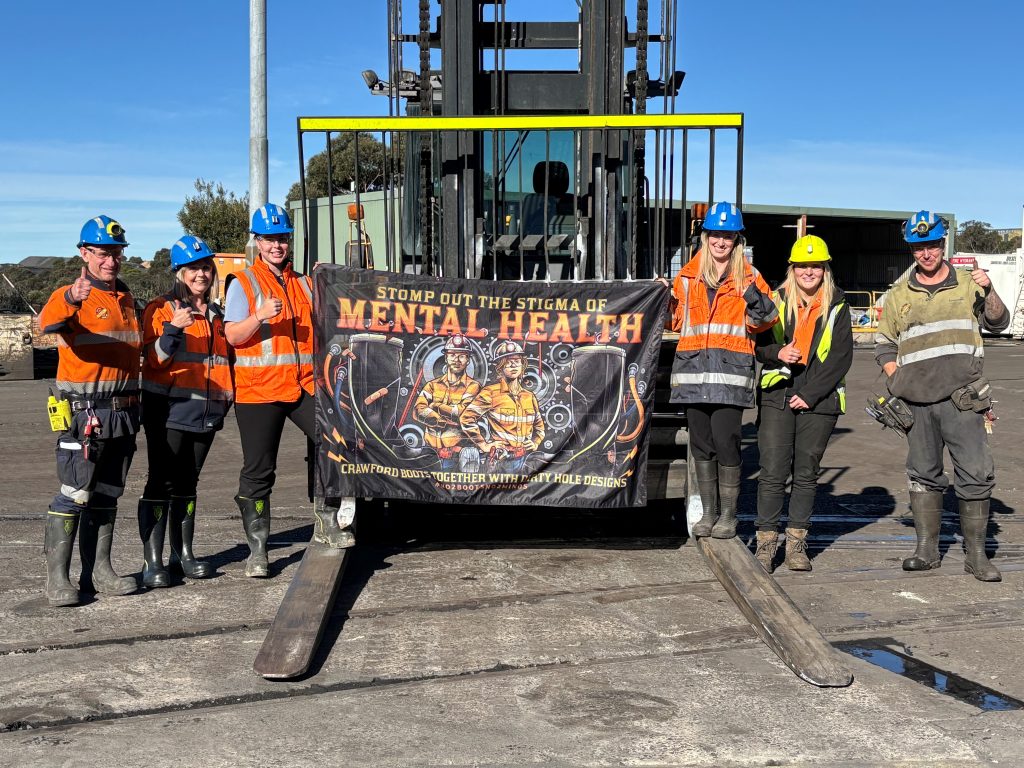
pixel 442 401
pixel 511 413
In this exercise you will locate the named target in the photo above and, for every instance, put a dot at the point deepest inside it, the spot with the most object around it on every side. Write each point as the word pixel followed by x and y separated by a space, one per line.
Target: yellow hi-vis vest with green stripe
pixel 772 376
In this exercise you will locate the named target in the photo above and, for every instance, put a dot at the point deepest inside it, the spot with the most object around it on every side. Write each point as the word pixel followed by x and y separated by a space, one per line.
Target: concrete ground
pixel 513 637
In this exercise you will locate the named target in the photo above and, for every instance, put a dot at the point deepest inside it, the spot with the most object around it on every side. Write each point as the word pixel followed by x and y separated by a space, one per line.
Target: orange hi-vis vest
pixel 99 341
pixel 276 364
pixel 189 365
pixel 714 360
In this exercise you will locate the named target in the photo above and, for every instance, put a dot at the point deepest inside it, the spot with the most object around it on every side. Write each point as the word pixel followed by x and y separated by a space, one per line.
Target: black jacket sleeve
pixel 821 379
pixel 766 348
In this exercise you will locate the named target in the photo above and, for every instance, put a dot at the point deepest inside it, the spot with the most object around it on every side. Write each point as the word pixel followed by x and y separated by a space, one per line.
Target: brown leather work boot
pixel 767 547
pixel 796 550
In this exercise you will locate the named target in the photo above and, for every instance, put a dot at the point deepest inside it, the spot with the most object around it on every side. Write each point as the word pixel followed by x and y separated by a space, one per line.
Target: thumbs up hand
pixel 182 317
pixel 81 288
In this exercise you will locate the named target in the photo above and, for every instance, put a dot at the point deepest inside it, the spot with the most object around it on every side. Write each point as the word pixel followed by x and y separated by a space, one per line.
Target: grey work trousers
pixel 790 442
pixel 962 433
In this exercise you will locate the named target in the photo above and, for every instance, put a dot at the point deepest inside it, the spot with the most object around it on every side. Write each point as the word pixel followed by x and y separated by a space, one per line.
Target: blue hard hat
pixel 924 227
pixel 271 219
pixel 187 250
pixel 102 230
pixel 723 217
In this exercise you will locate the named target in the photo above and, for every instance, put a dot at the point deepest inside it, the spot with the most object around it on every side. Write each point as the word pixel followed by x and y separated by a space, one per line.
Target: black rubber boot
pixel 926 507
pixel 152 525
pixel 58 544
pixel 256 520
pixel 974 525
pixel 183 529
pixel 327 529
pixel 728 500
pixel 707 486
pixel 95 537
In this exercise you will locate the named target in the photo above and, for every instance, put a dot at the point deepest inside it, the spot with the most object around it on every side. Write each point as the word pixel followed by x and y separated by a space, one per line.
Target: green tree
pixel 377 165
pixel 979 237
pixel 217 216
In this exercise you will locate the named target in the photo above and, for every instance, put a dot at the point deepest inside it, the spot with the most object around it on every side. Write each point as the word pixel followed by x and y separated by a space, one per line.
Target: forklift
pixel 490 172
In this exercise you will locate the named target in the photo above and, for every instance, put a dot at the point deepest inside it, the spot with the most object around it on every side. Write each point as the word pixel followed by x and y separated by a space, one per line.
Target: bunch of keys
pixel 92 428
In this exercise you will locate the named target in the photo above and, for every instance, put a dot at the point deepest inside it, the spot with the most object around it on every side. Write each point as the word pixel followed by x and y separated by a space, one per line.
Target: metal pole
pixel 257 113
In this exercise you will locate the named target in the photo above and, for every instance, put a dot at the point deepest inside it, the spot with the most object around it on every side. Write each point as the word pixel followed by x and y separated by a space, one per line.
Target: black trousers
pixel 714 432
pixel 790 442
pixel 962 433
pixel 260 426
pixel 176 457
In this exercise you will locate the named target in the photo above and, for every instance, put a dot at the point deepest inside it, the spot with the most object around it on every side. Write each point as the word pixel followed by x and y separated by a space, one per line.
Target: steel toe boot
pixel 796 550
pixel 152 526
pixel 256 521
pixel 974 525
pixel 95 537
pixel 707 486
pixel 767 546
pixel 728 499
pixel 926 506
pixel 58 544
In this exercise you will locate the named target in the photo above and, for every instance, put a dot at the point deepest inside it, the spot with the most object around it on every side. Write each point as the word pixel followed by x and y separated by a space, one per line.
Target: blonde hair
pixel 184 294
pixel 737 263
pixel 789 286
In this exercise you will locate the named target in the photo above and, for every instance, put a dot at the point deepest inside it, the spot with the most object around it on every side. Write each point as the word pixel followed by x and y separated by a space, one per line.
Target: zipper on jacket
pixel 295 332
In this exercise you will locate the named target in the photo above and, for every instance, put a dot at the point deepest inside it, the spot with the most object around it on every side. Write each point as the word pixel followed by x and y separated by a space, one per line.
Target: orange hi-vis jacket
pixel 514 419
pixel 276 364
pixel 99 342
pixel 714 362
pixel 189 366
pixel 438 407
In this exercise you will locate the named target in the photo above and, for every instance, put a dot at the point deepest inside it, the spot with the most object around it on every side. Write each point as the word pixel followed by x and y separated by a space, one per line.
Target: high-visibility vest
pixel 770 376
pixel 714 359
pixel 98 342
pixel 276 363
pixel 198 373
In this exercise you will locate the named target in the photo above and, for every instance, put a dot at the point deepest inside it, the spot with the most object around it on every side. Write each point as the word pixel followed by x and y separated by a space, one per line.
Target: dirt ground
pixel 521 637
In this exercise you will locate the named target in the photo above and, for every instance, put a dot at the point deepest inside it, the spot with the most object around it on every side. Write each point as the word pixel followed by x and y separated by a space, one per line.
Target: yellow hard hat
pixel 808 249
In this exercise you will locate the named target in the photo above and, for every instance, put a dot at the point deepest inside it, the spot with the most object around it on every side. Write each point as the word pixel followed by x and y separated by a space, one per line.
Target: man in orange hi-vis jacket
pixel 268 319
pixel 97 410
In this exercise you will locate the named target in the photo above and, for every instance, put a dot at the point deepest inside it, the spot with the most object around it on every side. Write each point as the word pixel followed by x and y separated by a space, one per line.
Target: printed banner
pixel 484 392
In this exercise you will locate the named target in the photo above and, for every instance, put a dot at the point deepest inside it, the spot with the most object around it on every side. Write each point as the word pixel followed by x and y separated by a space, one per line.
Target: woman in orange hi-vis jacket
pixel 187 392
pixel 268 318
pixel 720 303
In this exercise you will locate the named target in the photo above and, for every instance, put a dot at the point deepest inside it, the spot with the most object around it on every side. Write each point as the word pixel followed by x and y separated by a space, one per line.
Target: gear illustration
pixel 557 417
pixel 560 354
pixel 412 435
pixel 543 383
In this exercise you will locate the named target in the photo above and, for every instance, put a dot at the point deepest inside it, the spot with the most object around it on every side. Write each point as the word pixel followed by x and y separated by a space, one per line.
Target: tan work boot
pixel 796 550
pixel 767 547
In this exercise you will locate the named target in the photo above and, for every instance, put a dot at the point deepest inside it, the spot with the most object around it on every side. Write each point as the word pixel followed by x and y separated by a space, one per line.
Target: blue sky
pixel 117 107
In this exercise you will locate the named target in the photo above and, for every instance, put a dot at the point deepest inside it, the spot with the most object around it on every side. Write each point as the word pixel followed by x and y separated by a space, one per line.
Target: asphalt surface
pixel 520 637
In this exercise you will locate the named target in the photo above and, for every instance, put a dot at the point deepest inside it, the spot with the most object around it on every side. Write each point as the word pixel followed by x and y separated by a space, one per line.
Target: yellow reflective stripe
pixel 521 122
pixel 841 391
pixel 937 326
pixel 825 343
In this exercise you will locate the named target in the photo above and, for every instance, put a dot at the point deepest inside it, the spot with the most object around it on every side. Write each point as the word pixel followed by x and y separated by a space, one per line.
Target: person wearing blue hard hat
pixel 96 412
pixel 268 318
pixel 719 304
pixel 187 392
pixel 930 347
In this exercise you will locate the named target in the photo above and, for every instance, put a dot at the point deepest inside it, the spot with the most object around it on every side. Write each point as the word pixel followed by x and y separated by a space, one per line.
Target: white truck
pixel 1006 271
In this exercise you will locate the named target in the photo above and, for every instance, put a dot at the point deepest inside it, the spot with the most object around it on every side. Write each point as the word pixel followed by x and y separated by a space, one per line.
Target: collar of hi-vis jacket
pixel 287 272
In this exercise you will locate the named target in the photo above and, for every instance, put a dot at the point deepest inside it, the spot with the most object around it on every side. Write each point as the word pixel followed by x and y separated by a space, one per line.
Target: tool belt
pixel 121 403
pixel 891 412
pixel 976 396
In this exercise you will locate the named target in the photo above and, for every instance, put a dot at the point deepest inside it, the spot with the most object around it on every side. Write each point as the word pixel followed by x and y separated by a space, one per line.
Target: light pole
pixel 257 113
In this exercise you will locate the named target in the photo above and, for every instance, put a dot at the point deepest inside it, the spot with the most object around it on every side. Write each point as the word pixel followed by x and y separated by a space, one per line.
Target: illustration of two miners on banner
pixel 484 392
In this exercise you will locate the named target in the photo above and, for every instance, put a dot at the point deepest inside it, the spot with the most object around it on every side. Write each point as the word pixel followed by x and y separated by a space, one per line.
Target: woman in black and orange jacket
pixel 719 304
pixel 187 392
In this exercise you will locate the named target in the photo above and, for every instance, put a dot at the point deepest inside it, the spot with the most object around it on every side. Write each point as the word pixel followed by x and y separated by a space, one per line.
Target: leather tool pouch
pixel 976 396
